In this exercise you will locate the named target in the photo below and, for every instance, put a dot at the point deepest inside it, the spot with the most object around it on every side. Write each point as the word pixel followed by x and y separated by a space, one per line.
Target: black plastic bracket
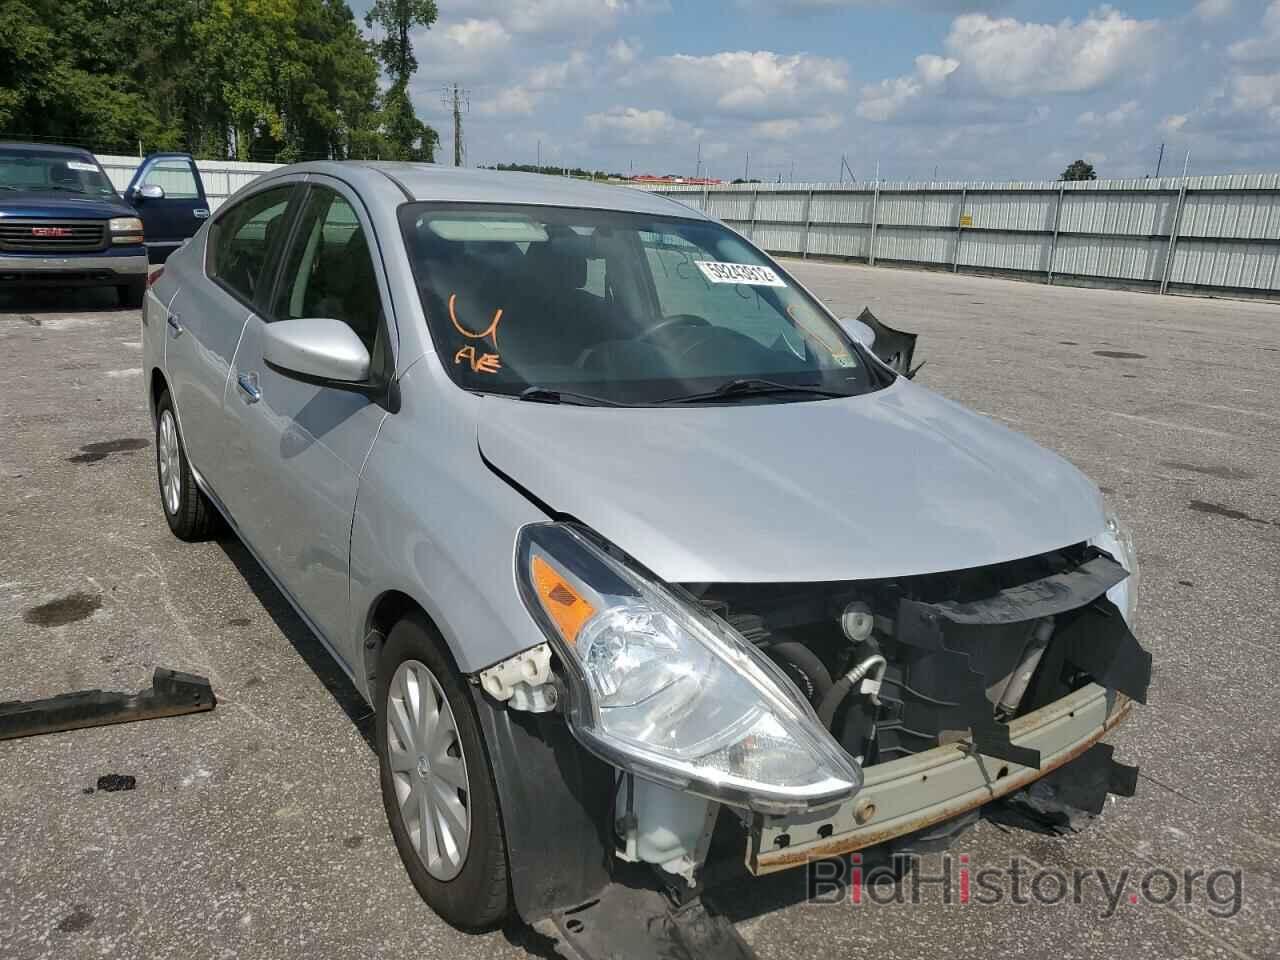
pixel 1092 636
pixel 1075 792
pixel 556 802
pixel 171 694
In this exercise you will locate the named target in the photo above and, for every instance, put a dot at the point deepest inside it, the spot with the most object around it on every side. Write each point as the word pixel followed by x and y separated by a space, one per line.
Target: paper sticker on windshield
pixel 747 273
pixel 81 165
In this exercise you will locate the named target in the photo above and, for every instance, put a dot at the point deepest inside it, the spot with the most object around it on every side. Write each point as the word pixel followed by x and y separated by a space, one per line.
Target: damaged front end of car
pixel 814 719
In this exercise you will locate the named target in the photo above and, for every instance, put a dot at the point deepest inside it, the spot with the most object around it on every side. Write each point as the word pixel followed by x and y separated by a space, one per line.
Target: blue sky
pixel 1005 90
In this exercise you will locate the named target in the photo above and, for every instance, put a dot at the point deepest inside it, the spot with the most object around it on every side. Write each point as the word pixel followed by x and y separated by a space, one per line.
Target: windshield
pixel 52 170
pixel 591 305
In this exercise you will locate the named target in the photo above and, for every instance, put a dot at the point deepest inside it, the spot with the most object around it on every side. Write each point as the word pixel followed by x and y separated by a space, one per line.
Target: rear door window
pixel 242 239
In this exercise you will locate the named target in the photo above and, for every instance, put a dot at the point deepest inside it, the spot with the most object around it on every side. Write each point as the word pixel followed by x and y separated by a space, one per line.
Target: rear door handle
pixel 248 383
pixel 201 213
pixel 175 324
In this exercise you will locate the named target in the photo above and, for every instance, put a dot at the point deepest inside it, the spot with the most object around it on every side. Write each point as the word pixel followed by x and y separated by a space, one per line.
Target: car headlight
pixel 667 691
pixel 125 229
pixel 1117 540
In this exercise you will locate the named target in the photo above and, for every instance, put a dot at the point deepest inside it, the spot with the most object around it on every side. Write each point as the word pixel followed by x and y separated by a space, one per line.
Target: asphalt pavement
pixel 256 830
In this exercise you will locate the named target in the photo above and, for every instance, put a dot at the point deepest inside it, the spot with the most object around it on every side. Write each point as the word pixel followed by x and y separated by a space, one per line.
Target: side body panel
pixel 433 522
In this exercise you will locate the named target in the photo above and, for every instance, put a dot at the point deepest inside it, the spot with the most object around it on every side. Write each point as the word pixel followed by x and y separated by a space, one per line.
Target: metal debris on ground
pixel 171 694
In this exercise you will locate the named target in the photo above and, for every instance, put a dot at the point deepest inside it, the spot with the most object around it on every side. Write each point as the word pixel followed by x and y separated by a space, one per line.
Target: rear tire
pixel 455 853
pixel 190 515
pixel 131 294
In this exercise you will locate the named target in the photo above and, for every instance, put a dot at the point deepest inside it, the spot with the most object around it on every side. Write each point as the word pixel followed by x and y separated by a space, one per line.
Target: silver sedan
pixel 624 536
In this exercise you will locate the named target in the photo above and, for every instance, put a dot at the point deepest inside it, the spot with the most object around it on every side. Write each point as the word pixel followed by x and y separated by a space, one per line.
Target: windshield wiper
pixel 547 395
pixel 754 387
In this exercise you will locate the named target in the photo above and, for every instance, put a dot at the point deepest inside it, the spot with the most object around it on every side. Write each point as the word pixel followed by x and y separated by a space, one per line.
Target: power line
pixel 459 99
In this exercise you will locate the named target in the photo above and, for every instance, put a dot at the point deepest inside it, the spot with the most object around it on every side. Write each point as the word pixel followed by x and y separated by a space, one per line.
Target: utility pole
pixel 697 170
pixel 539 154
pixel 1160 161
pixel 746 169
pixel 460 100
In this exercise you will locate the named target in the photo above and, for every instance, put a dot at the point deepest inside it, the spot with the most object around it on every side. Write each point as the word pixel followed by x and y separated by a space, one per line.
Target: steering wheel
pixel 670 323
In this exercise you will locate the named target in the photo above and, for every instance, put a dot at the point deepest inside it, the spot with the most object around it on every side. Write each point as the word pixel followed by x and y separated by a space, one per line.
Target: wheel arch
pixel 157 386
pixel 554 798
pixel 388 609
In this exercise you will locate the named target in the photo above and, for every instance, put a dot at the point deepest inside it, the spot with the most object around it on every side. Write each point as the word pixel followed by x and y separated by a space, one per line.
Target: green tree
pixel 261 79
pixel 1079 170
pixel 407 137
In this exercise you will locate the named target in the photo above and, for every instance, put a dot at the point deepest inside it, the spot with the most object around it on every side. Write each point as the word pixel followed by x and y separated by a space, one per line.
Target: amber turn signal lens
pixel 561 602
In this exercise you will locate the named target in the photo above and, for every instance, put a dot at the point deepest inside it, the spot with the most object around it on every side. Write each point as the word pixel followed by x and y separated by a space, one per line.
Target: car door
pixel 300 447
pixel 170 219
pixel 204 326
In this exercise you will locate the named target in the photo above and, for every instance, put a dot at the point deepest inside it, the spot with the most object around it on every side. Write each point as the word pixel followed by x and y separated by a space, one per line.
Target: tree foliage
pixel 410 137
pixel 1079 170
pixel 276 80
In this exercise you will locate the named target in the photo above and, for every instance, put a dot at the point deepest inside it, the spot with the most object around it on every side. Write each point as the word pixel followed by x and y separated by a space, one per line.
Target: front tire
pixel 437 785
pixel 190 515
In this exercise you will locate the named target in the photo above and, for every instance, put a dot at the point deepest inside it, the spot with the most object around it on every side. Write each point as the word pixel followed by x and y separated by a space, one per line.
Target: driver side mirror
pixel 317 350
pixel 859 331
pixel 149 191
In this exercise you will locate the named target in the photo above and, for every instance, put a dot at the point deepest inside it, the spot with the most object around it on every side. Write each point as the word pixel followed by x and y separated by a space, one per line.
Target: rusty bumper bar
pixel 915 792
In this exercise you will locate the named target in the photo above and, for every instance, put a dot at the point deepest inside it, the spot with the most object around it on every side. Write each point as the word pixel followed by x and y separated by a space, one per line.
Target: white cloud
pixel 1110 119
pixel 631 125
pixel 935 6
pixel 624 52
pixel 1213 9
pixel 746 83
pixel 477 37
pixel 1012 58
pixel 1252 92
pixel 1265 46
pixel 553 16
pixel 511 100
pixel 791 127
pixel 1174 122
pixel 883 100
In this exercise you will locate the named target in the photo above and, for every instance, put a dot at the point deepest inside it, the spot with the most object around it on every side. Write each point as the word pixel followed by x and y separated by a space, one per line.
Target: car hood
pixel 57 205
pixel 892 483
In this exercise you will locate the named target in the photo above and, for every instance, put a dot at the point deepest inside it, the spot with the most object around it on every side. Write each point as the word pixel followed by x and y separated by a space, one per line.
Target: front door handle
pixel 175 324
pixel 249 387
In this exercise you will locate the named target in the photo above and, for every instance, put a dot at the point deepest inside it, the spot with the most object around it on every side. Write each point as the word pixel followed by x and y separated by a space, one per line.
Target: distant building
pixel 694 181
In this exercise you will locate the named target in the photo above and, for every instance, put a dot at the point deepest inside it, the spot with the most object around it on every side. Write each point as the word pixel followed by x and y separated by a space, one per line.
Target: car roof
pixel 429 181
pixel 45 148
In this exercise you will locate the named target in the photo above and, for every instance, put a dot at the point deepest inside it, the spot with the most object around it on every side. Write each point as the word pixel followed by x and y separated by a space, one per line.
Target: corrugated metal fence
pixel 1201 234
pixel 221 177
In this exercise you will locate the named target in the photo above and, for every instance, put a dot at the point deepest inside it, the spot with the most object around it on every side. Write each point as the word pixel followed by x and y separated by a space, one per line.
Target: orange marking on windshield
pixel 491 331
pixel 480 362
